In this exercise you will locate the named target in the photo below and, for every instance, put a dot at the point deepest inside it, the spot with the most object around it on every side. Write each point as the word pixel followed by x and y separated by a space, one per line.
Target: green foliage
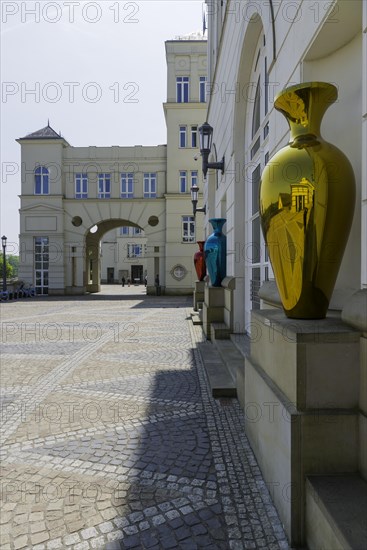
pixel 9 268
pixel 14 262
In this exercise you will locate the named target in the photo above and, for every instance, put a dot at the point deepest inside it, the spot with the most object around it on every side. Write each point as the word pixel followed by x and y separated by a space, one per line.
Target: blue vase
pixel 215 251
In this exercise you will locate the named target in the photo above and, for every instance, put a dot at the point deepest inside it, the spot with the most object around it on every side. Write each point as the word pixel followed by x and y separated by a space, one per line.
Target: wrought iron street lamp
pixel 194 200
pixel 206 139
pixel 3 242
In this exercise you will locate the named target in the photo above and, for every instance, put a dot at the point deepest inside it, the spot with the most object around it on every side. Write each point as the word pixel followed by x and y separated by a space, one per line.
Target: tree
pixel 14 262
pixel 9 268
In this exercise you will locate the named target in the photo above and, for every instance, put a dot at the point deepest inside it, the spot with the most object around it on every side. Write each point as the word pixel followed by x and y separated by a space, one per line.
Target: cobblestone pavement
pixel 110 438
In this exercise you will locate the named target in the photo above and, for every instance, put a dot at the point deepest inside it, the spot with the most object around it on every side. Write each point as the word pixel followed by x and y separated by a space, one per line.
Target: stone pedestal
pixel 213 307
pixel 75 290
pixel 229 285
pixel 300 392
pixel 94 287
pixel 355 314
pixel 198 294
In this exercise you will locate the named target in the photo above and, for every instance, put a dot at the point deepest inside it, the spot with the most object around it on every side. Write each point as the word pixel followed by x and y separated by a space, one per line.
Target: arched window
pixel 41 175
pixel 256 111
pixel 256 156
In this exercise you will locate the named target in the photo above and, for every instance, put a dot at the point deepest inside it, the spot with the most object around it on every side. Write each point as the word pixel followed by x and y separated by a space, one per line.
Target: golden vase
pixel 307 196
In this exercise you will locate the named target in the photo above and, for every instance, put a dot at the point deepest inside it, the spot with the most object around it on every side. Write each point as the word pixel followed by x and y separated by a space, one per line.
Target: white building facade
pixel 124 256
pixel 256 49
pixel 76 200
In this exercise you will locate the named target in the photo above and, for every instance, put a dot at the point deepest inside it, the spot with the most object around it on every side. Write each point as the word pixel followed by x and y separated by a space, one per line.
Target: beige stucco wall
pixel 55 215
pixel 43 153
pixel 327 42
pixel 114 160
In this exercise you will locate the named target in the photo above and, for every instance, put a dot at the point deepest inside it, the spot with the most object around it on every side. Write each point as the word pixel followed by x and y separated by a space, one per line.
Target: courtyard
pixel 110 437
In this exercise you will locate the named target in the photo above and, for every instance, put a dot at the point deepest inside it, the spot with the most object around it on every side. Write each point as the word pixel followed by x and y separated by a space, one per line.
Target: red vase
pixel 199 261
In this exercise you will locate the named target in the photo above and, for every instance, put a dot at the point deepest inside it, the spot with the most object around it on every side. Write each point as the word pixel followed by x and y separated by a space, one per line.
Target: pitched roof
pixel 45 133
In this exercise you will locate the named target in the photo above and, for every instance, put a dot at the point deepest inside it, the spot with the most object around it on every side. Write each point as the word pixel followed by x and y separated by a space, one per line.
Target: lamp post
pixel 3 242
pixel 194 199
pixel 206 139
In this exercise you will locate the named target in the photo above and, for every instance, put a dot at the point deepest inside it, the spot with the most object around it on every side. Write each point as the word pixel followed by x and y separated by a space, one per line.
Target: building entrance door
pixel 137 274
pixel 110 275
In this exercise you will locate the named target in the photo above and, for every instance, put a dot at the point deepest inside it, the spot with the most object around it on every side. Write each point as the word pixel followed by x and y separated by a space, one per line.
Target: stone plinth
pixel 94 287
pixel 198 294
pixel 75 290
pixel 314 363
pixel 213 307
pixel 300 398
pixel 229 285
pixel 355 314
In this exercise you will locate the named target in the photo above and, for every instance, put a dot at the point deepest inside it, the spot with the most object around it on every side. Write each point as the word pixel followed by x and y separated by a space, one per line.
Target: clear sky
pixel 96 70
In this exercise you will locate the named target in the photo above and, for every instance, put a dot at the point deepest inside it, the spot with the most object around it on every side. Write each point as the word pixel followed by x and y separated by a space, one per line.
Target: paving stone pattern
pixel 110 438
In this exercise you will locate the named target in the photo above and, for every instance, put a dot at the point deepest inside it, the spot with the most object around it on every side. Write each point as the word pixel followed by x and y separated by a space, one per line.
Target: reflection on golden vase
pixel 307 197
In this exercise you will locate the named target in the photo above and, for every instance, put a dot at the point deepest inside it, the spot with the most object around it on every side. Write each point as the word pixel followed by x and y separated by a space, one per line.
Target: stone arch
pixel 93 249
pixel 83 248
pixel 253 31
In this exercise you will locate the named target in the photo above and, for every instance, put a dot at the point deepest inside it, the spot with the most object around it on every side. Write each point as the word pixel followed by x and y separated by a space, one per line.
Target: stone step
pixel 220 331
pixel 243 343
pixel 231 357
pixel 336 512
pixel 220 380
pixel 195 318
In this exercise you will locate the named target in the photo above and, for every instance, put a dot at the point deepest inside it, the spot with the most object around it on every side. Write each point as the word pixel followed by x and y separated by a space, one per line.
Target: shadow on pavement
pixel 171 500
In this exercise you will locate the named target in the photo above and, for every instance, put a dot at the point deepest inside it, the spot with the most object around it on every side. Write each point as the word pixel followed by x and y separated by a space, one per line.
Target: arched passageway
pixel 93 260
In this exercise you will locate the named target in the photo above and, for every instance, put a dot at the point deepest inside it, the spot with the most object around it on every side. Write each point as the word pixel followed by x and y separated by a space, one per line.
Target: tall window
pixel 256 111
pixel 124 230
pixel 134 250
pixel 257 129
pixel 202 89
pixel 81 186
pixel 194 177
pixel 183 181
pixel 127 185
pixel 104 186
pixel 194 136
pixel 182 89
pixel 183 136
pixel 137 231
pixel 256 244
pixel 266 78
pixel 41 263
pixel 150 185
pixel 41 177
pixel 188 229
